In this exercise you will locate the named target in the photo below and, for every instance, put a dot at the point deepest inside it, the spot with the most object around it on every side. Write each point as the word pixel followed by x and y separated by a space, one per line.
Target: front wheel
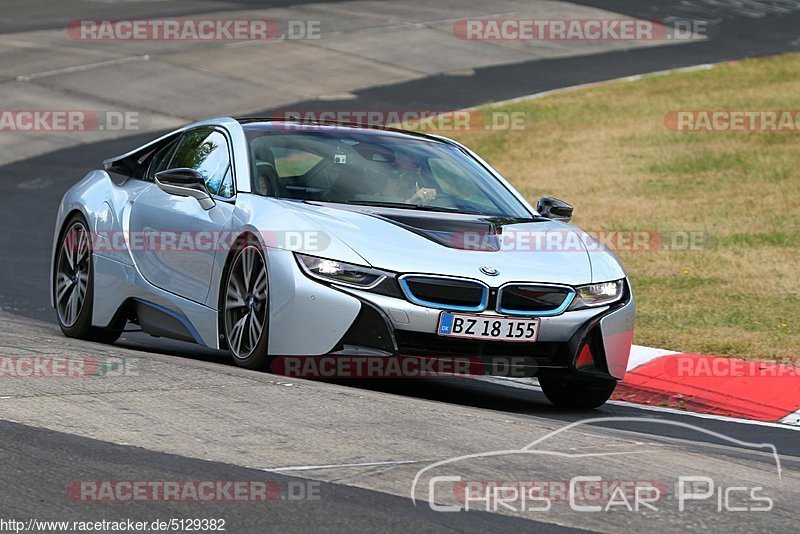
pixel 245 304
pixel 74 285
pixel 577 393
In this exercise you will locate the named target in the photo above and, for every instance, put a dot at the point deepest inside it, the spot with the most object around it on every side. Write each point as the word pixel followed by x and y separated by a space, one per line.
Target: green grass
pixel 607 150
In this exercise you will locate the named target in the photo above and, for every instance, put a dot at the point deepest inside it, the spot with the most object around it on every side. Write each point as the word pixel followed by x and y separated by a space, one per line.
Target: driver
pixel 404 183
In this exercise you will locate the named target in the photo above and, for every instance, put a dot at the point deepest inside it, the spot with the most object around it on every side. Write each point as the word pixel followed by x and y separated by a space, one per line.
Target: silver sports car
pixel 274 238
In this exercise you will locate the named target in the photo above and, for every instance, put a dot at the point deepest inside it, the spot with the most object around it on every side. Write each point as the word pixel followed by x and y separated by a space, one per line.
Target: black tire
pixel 244 306
pixel 76 321
pixel 577 393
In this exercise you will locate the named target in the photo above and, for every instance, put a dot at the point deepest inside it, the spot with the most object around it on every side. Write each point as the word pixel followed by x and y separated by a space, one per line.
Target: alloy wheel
pixel 72 273
pixel 246 302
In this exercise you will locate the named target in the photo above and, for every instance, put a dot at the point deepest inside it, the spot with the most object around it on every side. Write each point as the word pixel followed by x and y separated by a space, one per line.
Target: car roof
pixel 125 164
pixel 315 125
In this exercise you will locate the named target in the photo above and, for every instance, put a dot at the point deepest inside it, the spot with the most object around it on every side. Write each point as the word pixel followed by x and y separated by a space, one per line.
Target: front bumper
pixel 310 318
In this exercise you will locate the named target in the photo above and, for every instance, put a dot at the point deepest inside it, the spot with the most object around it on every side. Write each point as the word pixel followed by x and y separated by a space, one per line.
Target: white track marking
pixel 793 419
pixel 335 466
pixel 81 68
pixel 641 355
pixel 521 383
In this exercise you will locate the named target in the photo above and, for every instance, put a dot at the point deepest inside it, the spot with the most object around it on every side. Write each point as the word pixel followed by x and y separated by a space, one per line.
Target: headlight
pixel 600 294
pixel 339 272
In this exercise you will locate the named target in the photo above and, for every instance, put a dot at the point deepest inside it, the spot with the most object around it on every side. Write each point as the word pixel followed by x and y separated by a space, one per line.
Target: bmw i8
pixel 271 238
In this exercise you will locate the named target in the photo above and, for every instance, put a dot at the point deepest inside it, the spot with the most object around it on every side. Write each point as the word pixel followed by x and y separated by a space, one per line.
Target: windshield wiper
pixel 403 205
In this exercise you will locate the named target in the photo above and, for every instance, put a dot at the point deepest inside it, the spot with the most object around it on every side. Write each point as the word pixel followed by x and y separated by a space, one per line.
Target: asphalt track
pixel 28 452
pixel 47 460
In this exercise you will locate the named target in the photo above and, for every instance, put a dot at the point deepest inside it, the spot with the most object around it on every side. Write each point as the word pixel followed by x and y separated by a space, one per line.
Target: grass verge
pixel 607 150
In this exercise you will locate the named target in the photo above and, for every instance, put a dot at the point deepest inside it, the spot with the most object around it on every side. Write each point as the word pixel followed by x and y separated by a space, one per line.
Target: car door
pixel 173 238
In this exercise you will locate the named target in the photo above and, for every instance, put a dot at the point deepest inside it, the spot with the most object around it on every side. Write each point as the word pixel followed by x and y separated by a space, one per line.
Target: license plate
pixel 488 327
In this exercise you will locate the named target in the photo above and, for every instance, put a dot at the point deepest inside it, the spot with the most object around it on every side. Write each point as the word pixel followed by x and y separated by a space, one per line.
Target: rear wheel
pixel 245 307
pixel 74 285
pixel 577 393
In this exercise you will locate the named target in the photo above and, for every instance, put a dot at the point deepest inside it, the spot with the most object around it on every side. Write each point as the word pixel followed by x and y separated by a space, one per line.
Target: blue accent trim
pixel 558 311
pixel 439 306
pixel 183 320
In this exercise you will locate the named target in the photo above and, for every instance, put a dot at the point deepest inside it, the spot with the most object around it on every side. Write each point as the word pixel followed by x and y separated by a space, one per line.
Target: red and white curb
pixel 755 390
pixel 761 392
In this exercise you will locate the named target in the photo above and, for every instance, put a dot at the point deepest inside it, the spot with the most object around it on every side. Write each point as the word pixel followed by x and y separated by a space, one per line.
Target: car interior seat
pixel 266 174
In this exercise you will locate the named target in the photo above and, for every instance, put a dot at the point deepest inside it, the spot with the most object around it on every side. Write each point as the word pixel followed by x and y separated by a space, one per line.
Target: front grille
pixel 530 299
pixel 446 293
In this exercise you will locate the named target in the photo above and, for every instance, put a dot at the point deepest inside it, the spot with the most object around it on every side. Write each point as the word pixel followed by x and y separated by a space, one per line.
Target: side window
pixel 206 151
pixel 161 160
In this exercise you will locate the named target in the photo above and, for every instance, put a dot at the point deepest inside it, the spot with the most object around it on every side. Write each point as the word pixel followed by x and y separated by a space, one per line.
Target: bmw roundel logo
pixel 489 271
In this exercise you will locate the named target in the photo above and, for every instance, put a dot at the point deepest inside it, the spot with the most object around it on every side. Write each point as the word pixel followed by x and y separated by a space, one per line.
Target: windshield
pixel 372 168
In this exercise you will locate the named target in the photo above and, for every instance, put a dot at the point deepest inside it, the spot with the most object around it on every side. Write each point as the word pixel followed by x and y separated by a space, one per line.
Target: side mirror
pixel 552 208
pixel 185 183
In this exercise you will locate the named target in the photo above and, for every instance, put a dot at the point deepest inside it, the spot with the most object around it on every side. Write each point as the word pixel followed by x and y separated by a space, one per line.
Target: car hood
pixel 412 241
